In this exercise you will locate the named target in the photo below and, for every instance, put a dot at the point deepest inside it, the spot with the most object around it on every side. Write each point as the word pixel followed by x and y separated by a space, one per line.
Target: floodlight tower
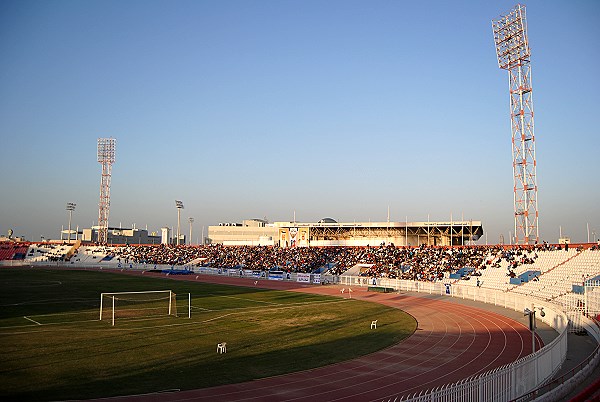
pixel 70 208
pixel 512 49
pixel 190 220
pixel 179 205
pixel 106 156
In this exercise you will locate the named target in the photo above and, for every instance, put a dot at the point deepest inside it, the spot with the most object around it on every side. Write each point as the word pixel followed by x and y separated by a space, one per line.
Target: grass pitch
pixel 54 347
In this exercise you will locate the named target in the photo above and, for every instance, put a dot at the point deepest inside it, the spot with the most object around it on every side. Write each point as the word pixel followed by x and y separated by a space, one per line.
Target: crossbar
pixel 113 294
pixel 133 293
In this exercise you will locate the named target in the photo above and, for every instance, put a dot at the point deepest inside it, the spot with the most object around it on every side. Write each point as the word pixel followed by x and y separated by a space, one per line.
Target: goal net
pixel 135 305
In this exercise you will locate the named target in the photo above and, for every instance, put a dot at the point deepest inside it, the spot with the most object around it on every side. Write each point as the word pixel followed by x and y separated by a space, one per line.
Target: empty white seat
pixel 222 347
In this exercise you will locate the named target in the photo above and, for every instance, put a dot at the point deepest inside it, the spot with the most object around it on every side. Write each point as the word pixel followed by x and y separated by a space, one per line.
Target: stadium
pixel 308 311
pixel 466 300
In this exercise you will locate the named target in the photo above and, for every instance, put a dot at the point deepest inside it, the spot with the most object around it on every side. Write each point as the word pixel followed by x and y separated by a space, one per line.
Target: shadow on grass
pixel 79 361
pixel 194 371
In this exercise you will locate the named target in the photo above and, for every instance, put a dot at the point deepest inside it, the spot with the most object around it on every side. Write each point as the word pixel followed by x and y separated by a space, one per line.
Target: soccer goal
pixel 136 305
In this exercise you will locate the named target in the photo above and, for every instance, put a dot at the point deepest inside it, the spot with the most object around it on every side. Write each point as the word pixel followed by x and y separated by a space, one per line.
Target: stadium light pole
pixel 451 224
pixel 106 157
pixel 406 231
pixel 462 228
pixel 179 206
pixel 70 208
pixel 513 52
pixel 191 220
pixel 532 327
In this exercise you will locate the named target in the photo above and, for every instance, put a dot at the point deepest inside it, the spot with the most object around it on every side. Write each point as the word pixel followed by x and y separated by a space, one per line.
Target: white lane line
pixel 27 318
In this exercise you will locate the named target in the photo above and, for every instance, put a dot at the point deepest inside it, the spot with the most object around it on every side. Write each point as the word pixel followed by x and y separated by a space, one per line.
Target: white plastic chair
pixel 222 347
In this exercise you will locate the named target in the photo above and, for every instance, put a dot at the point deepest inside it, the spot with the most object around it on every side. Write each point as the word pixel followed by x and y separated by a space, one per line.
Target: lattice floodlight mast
pixel 512 49
pixel 106 156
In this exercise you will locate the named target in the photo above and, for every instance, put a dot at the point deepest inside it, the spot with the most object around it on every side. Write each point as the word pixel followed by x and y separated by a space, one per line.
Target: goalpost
pixel 135 305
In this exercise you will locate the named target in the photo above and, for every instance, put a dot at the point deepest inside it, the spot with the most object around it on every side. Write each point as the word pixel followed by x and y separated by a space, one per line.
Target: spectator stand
pixel 11 252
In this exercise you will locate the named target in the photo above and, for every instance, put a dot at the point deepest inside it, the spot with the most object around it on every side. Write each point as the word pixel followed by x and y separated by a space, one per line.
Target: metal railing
pixel 504 383
pixel 562 380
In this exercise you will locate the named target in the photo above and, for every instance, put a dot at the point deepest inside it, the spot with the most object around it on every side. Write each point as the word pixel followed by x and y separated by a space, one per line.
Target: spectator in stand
pixel 424 263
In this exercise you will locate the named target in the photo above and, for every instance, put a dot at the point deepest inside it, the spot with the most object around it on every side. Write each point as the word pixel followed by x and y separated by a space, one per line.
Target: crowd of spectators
pixel 247 257
pixel 425 263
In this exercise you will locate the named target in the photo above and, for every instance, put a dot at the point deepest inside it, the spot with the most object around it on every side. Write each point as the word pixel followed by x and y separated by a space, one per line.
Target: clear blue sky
pixel 247 109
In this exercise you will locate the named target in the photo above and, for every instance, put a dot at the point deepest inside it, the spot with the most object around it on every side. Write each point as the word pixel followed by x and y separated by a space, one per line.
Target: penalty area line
pixel 249 300
pixel 218 318
pixel 201 308
pixel 34 321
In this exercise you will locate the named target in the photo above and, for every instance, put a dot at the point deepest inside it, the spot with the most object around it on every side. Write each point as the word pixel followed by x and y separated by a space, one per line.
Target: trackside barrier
pixel 14 263
pixel 505 383
pixel 180 269
pixel 560 387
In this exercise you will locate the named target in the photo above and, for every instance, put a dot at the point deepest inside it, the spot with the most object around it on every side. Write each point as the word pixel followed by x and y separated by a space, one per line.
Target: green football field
pixel 54 346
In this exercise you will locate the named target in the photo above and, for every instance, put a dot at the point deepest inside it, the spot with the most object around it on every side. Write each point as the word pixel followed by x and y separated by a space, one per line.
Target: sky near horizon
pixel 253 109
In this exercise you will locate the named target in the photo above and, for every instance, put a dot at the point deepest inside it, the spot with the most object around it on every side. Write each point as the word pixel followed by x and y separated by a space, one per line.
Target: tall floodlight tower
pixel 512 49
pixel 179 205
pixel 106 156
pixel 70 208
pixel 191 220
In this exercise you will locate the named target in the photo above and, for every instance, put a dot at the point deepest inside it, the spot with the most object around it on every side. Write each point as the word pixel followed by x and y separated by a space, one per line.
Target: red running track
pixel 452 342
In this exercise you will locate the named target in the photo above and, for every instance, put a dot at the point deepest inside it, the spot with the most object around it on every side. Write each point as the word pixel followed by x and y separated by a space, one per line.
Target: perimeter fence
pixel 505 383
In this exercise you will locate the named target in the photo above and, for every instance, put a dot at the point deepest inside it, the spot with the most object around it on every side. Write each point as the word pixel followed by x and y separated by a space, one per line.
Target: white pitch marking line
pixel 250 300
pixel 217 318
pixel 201 308
pixel 27 318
